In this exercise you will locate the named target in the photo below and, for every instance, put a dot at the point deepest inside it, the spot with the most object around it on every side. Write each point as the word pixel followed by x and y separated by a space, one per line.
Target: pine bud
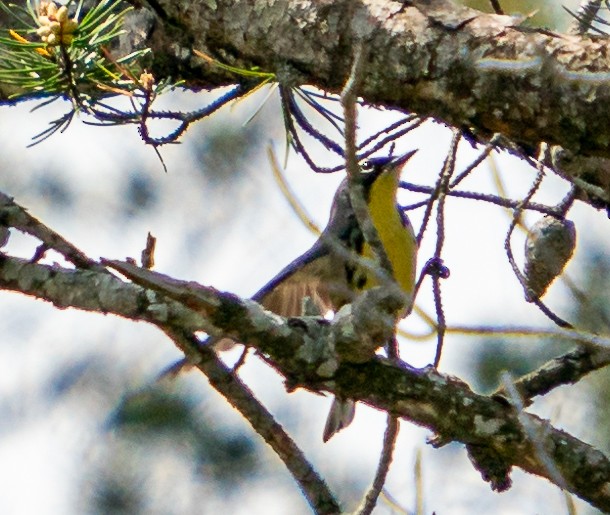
pixel 70 26
pixel 62 14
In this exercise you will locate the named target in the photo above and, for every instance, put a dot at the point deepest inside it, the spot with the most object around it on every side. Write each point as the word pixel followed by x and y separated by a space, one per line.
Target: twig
pixel 110 116
pixel 532 433
pixel 591 307
pixel 566 369
pixel 495 5
pixel 385 460
pixel 348 100
pixel 243 400
pixel 419 483
pixel 311 98
pixel 393 136
pixel 443 186
pixel 356 190
pixel 581 337
pixel 478 160
pixel 289 195
pixel 388 130
pixel 302 121
pixel 393 504
pixel 484 197
pixel 13 215
pixel 293 136
pixel 584 16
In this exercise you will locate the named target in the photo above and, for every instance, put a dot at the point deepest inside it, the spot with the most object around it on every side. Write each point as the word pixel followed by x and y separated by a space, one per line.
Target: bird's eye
pixel 376 162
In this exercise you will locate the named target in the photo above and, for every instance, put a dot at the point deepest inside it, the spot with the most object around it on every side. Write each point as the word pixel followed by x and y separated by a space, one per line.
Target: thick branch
pixel 470 69
pixel 432 57
pixel 443 404
pixel 102 292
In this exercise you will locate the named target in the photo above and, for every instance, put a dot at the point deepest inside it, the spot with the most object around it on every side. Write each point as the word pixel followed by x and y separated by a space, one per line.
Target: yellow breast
pixel 398 238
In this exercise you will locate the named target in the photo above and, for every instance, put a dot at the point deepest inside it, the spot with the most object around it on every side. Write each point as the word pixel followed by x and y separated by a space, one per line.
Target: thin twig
pixel 591 307
pixel 332 118
pixel 567 369
pixel 419 483
pixel 584 16
pixel 483 197
pixel 388 129
pixel 478 160
pixel 393 504
pixel 594 192
pixel 289 195
pixel 293 137
pixel 301 119
pixel 393 136
pixel 535 439
pixel 348 100
pixel 443 186
pixel 385 460
pixel 580 337
pixel 434 195
pixel 114 117
pixel 13 215
pixel 566 203
pixel 495 5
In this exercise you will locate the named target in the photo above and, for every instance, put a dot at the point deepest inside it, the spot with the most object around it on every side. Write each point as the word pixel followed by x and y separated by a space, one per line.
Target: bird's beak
pixel 379 165
pixel 399 161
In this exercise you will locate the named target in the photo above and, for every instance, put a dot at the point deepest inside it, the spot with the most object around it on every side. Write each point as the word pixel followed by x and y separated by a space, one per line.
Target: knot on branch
pixel 360 328
pixel 493 467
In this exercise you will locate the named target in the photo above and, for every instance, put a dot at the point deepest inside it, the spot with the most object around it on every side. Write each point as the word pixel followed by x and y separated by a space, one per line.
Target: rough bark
pixel 473 70
pixel 456 64
pixel 496 434
pixel 484 72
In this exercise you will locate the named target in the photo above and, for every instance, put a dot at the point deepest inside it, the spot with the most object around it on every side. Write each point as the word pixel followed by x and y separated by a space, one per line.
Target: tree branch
pixel 435 58
pixel 566 369
pixel 484 72
pixel 243 400
pixel 13 215
pixel 441 403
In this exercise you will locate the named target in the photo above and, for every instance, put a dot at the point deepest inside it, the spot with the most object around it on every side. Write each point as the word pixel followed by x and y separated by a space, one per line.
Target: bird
pixel 329 275
pixel 326 274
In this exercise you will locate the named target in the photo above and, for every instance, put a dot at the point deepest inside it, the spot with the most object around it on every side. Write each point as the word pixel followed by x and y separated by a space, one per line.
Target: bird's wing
pixel 307 276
